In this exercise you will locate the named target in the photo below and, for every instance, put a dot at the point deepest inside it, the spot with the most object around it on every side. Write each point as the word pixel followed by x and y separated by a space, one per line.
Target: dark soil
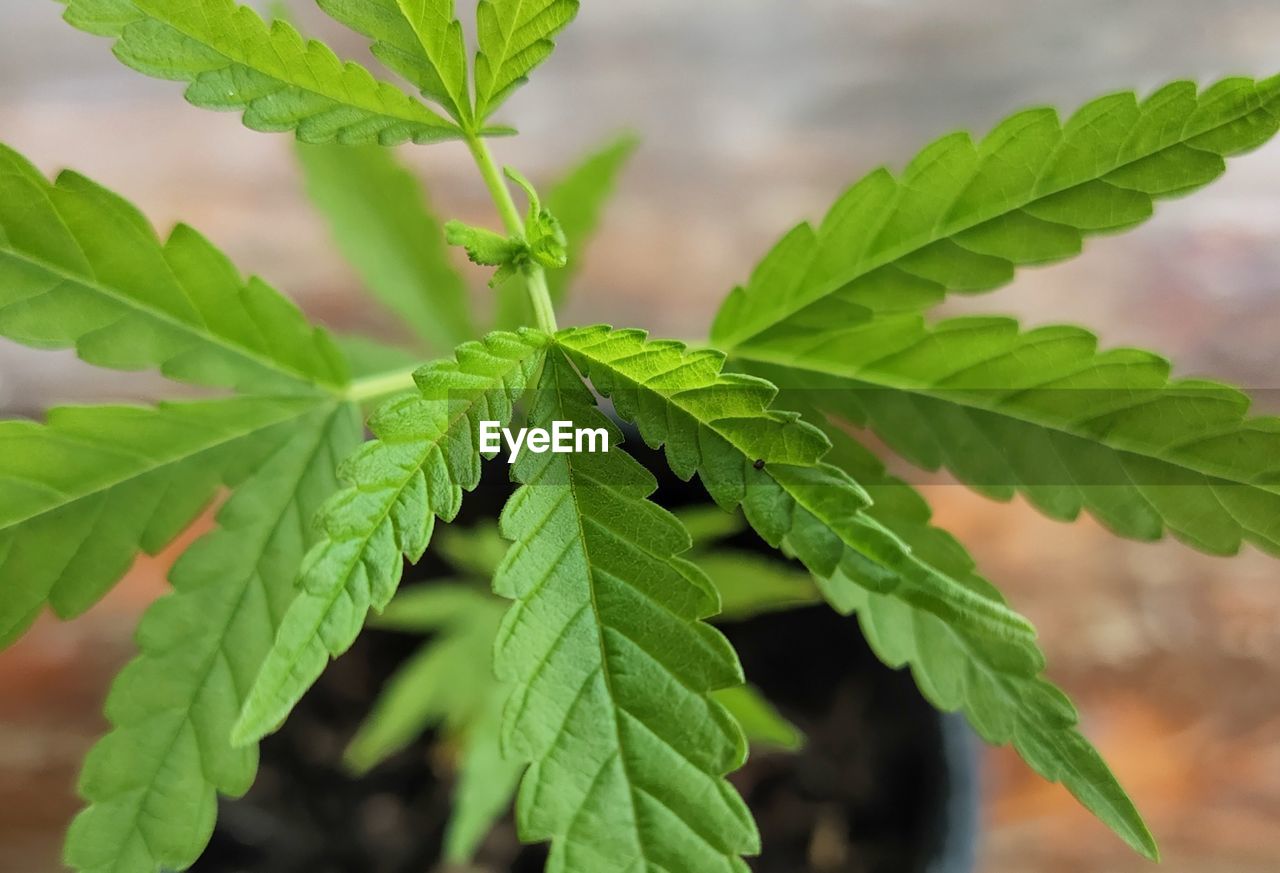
pixel 868 794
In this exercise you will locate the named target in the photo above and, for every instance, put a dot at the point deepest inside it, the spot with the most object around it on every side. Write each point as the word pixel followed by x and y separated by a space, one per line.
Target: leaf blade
pixel 384 226
pixel 423 458
pixel 722 427
pixel 578 200
pixel 1077 429
pixel 151 783
pixel 82 494
pixel 419 39
pixel 81 268
pixel 616 780
pixel 514 37
pixel 233 60
pixel 761 723
pixel 963 216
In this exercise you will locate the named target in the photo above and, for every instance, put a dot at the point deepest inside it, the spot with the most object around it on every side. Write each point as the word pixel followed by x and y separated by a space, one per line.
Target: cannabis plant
pixel 611 698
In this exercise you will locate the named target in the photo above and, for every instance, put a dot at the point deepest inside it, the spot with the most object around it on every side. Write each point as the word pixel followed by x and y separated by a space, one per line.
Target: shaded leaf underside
pixel 152 783
pixel 1045 414
pixel 425 455
pixel 84 493
pixel 966 649
pixel 612 667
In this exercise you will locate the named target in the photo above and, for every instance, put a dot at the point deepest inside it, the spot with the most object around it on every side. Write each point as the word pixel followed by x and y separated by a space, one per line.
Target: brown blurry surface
pixel 756 114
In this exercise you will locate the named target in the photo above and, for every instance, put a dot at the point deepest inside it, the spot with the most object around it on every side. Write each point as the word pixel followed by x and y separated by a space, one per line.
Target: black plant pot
pixel 884 783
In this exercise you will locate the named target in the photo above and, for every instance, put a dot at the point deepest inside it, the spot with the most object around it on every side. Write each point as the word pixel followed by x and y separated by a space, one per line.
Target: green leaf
pixel 962 215
pixel 707 523
pixel 763 725
pixel 82 494
pixel 233 60
pixel 438 605
pixel 80 267
pixel 721 426
pixel 452 682
pixel 425 456
pixel 752 585
pixel 1044 414
pixel 384 226
pixel 515 36
pixel 367 356
pixel 612 666
pixel 152 782
pixel 970 651
pixel 578 201
pixel 489 249
pixel 546 241
pixel 419 39
pixel 486 784
pixel 483 246
pixel 896 504
pixel 449 681
pixel 476 550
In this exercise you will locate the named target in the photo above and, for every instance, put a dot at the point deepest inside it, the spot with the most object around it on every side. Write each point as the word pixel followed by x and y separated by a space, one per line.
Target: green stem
pixel 381 385
pixel 535 277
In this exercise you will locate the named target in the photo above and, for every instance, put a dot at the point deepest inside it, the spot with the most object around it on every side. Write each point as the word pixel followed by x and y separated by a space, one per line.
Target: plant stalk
pixel 535 276
pixel 381 385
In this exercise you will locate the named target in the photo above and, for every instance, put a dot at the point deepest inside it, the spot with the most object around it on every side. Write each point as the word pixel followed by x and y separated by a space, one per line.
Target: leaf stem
pixel 381 385
pixel 535 277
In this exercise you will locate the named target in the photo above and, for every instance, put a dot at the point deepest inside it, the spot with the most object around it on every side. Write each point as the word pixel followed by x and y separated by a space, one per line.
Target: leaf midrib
pixel 880 381
pixel 456 90
pixel 229 53
pixel 272 364
pixel 398 488
pixel 789 307
pixel 206 669
pixel 508 39
pixel 605 672
pixel 225 438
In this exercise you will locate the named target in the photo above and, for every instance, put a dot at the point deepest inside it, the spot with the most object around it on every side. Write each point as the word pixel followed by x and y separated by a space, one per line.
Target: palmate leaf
pixel 80 267
pixel 1044 414
pixel 152 783
pixel 487 781
pixel 425 456
pixel 449 683
pixel 971 652
pixel 962 215
pixel 1035 716
pixel 612 666
pixel 385 228
pixel 234 60
pixel 419 39
pixel 84 493
pixel 514 36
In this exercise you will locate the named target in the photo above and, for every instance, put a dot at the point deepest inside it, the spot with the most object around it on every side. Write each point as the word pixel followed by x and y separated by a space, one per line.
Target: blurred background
pixel 755 114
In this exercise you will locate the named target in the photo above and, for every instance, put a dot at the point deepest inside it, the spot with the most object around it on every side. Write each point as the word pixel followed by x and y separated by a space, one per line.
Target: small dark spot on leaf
pixel 759 464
